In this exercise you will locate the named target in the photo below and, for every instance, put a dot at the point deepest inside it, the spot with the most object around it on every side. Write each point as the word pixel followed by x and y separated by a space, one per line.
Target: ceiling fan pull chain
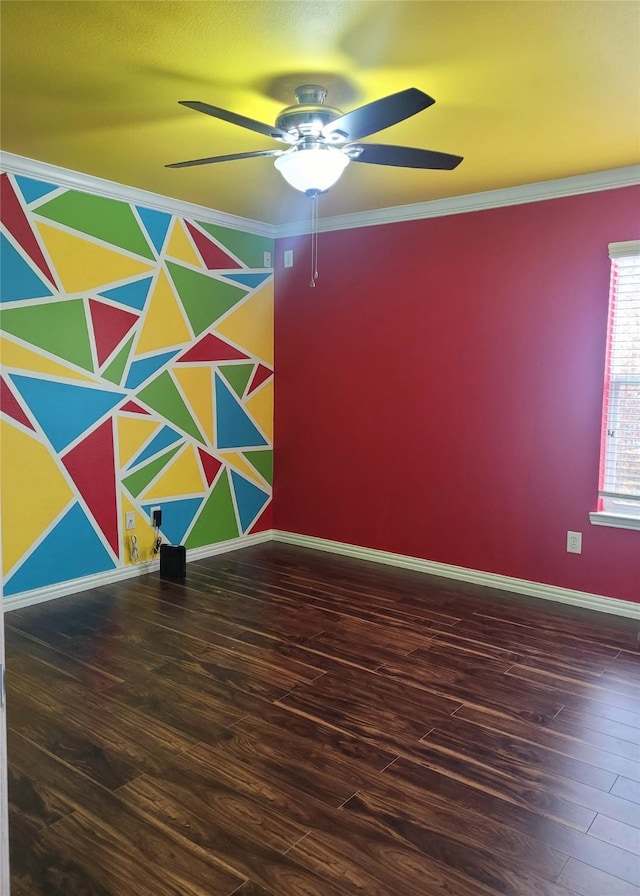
pixel 315 231
pixel 314 239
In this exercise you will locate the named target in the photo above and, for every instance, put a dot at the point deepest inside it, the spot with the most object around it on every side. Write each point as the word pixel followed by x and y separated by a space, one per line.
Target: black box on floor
pixel 173 561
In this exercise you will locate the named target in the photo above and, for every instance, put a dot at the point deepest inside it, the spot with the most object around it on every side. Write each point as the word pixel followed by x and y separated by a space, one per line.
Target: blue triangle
pixel 33 189
pixel 146 367
pixel 167 436
pixel 234 427
pixel 177 516
pixel 156 224
pixel 71 550
pixel 249 498
pixel 17 280
pixel 250 280
pixel 65 411
pixel 132 294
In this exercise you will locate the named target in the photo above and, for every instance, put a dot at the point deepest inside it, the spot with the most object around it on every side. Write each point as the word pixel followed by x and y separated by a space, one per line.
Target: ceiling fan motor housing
pixel 310 114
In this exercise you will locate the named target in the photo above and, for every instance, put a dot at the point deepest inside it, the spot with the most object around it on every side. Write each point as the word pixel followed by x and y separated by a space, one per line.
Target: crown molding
pixel 473 202
pixel 612 179
pixel 76 180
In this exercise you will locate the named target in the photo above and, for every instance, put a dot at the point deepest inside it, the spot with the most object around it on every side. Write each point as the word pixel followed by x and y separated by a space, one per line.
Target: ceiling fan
pixel 322 140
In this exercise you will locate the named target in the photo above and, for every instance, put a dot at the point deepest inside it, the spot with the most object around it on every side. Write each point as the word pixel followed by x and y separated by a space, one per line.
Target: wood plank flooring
pixel 288 723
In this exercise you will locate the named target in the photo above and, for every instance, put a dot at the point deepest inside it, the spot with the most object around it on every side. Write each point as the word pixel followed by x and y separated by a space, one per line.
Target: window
pixel 619 494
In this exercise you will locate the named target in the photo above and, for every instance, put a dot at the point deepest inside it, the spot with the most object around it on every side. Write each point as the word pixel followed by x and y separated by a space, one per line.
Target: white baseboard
pixel 86 583
pixel 598 602
pixel 584 599
pixel 225 547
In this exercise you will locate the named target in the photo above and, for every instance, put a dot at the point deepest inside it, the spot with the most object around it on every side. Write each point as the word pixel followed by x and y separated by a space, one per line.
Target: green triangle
pixel 115 370
pixel 106 219
pixel 136 482
pixel 162 395
pixel 217 519
pixel 248 247
pixel 237 375
pixel 204 298
pixel 263 462
pixel 57 327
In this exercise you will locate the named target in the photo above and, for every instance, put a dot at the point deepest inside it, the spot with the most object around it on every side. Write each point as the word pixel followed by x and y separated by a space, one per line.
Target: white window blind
pixel 620 455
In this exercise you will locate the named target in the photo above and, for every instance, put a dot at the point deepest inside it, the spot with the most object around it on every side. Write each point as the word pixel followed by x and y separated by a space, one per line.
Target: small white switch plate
pixel 288 258
pixel 574 542
pixel 266 259
pixel 130 520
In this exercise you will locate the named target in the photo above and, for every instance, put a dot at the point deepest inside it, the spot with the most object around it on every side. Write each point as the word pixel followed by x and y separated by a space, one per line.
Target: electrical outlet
pixel 156 517
pixel 288 258
pixel 574 542
pixel 130 520
pixel 266 258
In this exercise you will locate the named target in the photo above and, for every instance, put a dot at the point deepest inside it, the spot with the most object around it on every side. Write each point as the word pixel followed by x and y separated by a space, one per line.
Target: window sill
pixel 616 520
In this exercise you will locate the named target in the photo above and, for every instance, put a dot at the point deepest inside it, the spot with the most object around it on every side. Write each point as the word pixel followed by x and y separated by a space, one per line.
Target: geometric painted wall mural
pixel 136 353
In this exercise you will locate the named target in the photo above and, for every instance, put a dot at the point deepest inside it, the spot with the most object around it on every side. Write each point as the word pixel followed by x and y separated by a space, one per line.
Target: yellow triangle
pixel 133 432
pixel 260 407
pixel 164 322
pixel 197 385
pixel 143 531
pixel 182 477
pixel 33 491
pixel 180 246
pixel 251 325
pixel 239 463
pixel 83 265
pixel 14 355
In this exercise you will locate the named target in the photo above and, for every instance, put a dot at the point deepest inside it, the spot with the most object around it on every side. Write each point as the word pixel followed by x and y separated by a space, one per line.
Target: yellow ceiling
pixel 525 91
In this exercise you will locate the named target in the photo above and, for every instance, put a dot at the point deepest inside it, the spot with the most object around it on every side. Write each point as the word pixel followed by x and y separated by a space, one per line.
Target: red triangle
pixel 213 256
pixel 261 374
pixel 91 465
pixel 264 521
pixel 212 348
pixel 9 405
pixel 15 220
pixel 110 326
pixel 210 465
pixel 133 408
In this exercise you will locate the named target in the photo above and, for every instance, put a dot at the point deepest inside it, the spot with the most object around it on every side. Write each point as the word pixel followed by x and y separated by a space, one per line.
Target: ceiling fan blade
pixel 403 156
pixel 229 158
pixel 268 130
pixel 379 114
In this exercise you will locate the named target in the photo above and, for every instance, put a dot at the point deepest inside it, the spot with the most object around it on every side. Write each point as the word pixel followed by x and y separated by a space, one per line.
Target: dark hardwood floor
pixel 288 723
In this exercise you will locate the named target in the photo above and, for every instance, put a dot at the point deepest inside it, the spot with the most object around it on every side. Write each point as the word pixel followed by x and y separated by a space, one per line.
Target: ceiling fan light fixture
pixel 312 167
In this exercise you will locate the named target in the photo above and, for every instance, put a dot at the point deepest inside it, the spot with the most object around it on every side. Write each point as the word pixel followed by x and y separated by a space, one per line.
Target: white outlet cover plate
pixel 574 542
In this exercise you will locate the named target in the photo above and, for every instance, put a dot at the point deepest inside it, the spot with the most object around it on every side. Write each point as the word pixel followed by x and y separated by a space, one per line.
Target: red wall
pixel 439 392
